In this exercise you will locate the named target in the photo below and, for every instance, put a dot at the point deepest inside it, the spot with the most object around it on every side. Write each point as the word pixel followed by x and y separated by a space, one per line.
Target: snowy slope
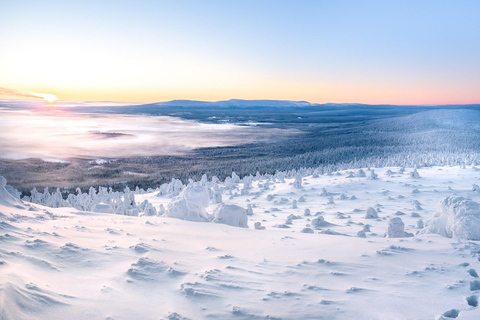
pixel 61 263
pixel 446 119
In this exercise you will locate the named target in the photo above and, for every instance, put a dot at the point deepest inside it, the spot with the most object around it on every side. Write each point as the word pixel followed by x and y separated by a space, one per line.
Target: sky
pixel 395 52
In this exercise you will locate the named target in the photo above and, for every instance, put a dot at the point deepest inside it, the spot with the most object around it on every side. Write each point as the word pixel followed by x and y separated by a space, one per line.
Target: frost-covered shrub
pixel 457 218
pixel 258 226
pixel 396 228
pixel 102 208
pixel 318 222
pixel 294 204
pixel 371 213
pixel 190 204
pixel 373 175
pixel 297 184
pixel 414 174
pixel 6 199
pixel 232 215
pixel 249 210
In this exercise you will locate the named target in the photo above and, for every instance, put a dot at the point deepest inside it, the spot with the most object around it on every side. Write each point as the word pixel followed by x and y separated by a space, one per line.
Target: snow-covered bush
pixel 396 228
pixel 258 226
pixel 102 208
pixel 190 204
pixel 232 215
pixel 373 175
pixel 297 184
pixel 457 218
pixel 371 213
pixel 6 199
pixel 414 174
pixel 249 210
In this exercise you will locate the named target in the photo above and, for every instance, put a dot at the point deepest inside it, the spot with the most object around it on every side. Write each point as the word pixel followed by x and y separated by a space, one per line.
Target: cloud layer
pixel 61 135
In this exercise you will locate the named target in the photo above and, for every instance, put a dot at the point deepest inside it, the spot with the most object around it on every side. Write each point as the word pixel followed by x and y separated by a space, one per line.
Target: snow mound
pixel 456 217
pixel 102 208
pixel 232 215
pixel 371 213
pixel 6 198
pixel 190 204
pixel 396 228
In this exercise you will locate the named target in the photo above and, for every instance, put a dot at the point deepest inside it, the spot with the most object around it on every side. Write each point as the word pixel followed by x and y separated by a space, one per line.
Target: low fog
pixel 59 135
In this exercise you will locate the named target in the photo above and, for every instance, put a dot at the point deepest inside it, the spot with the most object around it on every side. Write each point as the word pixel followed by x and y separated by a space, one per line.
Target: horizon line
pixel 123 102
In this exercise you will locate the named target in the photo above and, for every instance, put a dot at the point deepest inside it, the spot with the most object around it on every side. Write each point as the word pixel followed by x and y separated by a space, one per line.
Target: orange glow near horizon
pixel 311 92
pixel 388 53
pixel 366 90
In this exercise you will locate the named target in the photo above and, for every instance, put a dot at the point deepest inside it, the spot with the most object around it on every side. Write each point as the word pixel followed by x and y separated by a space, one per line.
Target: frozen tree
pixel 373 175
pixel 371 213
pixel 414 174
pixel 297 184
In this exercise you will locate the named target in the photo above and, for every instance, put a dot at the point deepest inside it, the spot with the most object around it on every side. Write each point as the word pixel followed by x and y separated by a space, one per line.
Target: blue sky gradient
pixel 403 52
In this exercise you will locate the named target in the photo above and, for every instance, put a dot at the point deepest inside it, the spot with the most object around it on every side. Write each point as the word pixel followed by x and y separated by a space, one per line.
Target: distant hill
pixel 237 103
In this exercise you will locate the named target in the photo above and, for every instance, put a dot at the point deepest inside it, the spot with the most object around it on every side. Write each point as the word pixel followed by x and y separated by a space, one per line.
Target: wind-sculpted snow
pixel 6 198
pixel 343 246
pixel 456 217
pixel 27 301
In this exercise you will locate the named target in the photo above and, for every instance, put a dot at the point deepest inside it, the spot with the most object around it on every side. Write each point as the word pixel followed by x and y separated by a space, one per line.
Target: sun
pixel 50 98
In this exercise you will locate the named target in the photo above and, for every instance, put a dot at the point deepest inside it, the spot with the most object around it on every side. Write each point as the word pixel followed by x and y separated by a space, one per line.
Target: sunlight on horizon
pixel 50 98
pixel 340 52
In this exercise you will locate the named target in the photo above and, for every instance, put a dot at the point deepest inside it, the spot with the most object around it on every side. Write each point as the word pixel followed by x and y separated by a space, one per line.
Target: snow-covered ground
pixel 320 255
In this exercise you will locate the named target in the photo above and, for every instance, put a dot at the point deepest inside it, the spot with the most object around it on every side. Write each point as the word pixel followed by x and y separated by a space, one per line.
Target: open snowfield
pixel 62 263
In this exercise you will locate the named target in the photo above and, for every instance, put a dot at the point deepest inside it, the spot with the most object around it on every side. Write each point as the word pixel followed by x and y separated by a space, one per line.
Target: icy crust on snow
pixel 190 204
pixel 456 217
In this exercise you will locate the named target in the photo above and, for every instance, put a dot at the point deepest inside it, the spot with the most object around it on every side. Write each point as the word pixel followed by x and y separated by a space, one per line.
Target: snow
pixel 70 263
pixel 232 215
pixel 190 204
pixel 6 198
pixel 396 228
pixel 456 217
pixel 102 208
pixel 371 213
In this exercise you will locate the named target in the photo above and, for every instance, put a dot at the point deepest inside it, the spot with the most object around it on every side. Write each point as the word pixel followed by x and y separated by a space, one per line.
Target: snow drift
pixel 6 198
pixel 456 217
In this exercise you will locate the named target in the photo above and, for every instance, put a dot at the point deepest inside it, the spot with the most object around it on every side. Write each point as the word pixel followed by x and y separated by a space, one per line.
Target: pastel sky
pixel 397 52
